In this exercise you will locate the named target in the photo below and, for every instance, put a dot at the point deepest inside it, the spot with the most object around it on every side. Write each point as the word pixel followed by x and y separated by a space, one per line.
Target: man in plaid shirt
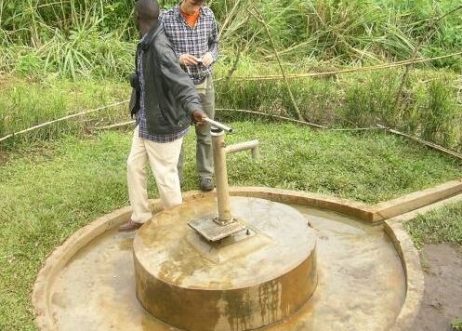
pixel 192 29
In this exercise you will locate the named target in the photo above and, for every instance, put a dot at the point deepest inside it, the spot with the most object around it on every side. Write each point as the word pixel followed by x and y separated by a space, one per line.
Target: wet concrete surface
pixel 172 252
pixel 361 284
pixel 229 285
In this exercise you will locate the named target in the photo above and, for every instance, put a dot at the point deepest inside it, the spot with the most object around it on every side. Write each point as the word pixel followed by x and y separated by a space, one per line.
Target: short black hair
pixel 147 10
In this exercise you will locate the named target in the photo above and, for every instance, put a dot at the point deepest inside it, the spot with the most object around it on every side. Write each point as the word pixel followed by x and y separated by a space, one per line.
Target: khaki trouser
pixel 163 159
pixel 204 156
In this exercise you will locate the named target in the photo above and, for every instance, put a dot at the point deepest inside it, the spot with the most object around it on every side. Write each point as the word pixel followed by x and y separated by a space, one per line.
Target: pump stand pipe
pixel 239 147
pixel 221 176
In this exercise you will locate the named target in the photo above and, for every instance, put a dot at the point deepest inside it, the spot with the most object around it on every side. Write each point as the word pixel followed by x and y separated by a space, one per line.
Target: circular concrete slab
pixel 88 284
pixel 253 278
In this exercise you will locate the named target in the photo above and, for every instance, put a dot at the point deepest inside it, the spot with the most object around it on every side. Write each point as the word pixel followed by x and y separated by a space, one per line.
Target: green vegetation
pixel 457 325
pixel 51 189
pixel 95 38
pixel 440 226
pixel 95 41
pixel 431 108
pixel 59 58
pixel 25 103
pixel 73 38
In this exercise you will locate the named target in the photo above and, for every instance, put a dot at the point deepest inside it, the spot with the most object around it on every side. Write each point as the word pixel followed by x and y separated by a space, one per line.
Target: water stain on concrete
pixel 259 284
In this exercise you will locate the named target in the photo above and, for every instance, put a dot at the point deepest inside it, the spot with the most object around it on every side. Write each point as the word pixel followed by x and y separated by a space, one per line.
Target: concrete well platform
pixel 253 279
pixel 367 276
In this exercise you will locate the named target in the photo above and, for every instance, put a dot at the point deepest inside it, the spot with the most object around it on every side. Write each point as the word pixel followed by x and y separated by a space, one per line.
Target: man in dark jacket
pixel 164 101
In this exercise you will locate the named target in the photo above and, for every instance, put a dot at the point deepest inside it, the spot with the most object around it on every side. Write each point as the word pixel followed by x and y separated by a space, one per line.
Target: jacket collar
pixel 146 42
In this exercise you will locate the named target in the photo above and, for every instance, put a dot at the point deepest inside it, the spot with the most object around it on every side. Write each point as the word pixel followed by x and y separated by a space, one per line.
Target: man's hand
pixel 188 59
pixel 207 59
pixel 198 117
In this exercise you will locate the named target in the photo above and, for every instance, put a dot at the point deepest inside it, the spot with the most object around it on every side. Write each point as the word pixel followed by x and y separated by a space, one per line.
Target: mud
pixel 442 302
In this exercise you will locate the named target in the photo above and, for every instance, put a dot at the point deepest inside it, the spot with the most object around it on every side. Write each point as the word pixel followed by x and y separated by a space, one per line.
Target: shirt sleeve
pixel 213 40
pixel 168 26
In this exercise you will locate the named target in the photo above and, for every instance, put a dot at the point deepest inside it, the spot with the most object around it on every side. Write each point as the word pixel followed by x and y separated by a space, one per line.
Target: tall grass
pixel 24 104
pixel 33 21
pixel 95 39
pixel 73 38
pixel 79 37
pixel 430 107
pixel 345 31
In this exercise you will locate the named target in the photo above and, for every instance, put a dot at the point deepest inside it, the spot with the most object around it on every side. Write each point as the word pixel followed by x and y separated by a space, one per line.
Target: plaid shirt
pixel 196 41
pixel 141 114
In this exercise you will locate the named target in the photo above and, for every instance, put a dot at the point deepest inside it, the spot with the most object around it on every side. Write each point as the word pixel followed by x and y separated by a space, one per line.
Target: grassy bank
pixel 95 41
pixel 50 190
pixel 429 105
pixel 25 103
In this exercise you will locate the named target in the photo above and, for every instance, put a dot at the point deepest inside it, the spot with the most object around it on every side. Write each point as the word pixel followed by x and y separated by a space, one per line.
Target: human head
pixel 146 14
pixel 191 6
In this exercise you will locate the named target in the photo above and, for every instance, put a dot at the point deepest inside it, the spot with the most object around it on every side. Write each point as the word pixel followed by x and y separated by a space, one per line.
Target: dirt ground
pixel 442 302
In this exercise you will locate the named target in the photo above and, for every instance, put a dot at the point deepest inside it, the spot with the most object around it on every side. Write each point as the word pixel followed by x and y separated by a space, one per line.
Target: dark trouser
pixel 204 156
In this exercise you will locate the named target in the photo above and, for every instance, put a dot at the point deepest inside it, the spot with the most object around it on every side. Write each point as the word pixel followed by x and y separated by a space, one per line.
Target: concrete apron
pixel 242 282
pixel 89 282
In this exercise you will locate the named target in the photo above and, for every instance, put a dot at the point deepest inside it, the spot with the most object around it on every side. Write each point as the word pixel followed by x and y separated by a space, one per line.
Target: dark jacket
pixel 170 95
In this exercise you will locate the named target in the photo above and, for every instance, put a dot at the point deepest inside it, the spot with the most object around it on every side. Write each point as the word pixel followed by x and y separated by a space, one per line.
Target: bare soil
pixel 442 302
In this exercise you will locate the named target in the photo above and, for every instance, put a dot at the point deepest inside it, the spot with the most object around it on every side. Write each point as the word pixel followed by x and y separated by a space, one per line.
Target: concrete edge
pixel 415 200
pixel 394 227
pixel 355 209
pixel 414 275
pixel 64 253
pixel 423 210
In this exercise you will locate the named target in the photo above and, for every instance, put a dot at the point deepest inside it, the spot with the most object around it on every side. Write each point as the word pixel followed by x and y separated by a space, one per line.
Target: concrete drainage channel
pixel 271 260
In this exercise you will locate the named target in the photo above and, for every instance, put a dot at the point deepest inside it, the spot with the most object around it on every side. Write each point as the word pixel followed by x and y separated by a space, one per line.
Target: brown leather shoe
pixel 130 226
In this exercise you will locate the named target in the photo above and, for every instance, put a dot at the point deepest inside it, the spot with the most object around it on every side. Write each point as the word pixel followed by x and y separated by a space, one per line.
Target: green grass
pixel 443 225
pixel 25 103
pixel 51 189
pixel 456 325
